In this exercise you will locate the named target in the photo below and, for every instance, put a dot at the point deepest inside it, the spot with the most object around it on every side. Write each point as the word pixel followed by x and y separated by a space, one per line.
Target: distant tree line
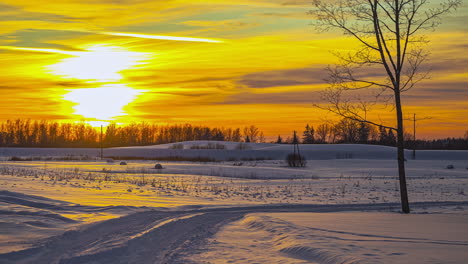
pixel 353 132
pixel 27 133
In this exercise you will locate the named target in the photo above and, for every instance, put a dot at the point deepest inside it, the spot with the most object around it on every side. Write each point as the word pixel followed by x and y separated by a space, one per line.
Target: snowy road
pixel 161 236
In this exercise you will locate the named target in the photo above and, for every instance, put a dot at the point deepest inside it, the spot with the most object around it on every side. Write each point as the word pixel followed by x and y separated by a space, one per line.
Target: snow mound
pixel 238 151
pixel 206 143
pixel 14 198
pixel 340 237
pixel 222 151
pixel 284 236
pixel 27 219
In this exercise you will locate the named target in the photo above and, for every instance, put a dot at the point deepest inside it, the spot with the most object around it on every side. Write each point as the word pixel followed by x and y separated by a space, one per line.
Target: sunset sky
pixel 215 63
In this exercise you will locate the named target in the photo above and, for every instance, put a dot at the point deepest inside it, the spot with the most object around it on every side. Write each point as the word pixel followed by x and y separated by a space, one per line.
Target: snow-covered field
pixel 349 237
pixel 247 208
pixel 238 151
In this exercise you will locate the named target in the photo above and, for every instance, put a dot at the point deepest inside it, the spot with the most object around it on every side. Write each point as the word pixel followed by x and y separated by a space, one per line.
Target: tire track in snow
pixel 147 237
pixel 160 236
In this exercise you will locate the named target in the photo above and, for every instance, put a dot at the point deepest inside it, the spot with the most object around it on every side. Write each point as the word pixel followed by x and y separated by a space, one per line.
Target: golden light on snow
pixel 103 103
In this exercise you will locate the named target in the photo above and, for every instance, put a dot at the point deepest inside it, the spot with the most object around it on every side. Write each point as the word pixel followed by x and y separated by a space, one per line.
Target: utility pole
pixel 101 143
pixel 296 146
pixel 414 136
pixel 414 131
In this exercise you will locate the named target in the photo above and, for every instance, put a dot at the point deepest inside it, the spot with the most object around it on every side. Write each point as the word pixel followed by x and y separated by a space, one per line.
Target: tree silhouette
pixel 308 135
pixel 279 140
pixel 364 132
pixel 391 48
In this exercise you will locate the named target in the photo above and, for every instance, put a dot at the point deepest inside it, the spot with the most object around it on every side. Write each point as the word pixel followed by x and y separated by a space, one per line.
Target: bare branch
pixel 340 106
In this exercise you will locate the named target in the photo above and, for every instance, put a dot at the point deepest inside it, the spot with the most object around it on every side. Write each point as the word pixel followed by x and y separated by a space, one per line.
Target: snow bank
pixel 26 219
pixel 231 151
pixel 352 237
pixel 179 235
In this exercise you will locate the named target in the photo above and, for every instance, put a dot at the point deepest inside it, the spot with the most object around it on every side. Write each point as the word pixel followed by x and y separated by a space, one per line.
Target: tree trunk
pixel 401 155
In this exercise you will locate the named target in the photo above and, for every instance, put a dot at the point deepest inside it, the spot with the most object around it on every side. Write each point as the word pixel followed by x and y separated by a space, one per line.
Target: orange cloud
pixel 206 62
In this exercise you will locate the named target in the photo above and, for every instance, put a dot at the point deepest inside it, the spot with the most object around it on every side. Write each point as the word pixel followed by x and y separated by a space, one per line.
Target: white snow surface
pixel 253 151
pixel 342 208
pixel 340 237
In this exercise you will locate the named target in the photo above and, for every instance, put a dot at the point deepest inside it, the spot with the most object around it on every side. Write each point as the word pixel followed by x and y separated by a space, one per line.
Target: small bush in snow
pixel 220 146
pixel 450 167
pixel 344 155
pixel 123 163
pixel 296 160
pixel 158 166
pixel 15 158
pixel 177 146
pixel 209 146
pixel 242 146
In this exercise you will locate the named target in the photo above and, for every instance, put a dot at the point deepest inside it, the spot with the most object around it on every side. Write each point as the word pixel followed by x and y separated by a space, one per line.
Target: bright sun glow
pixel 103 103
pixel 99 62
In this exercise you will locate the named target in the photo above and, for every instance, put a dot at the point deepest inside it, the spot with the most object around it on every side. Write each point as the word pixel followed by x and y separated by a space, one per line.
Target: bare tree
pixel 252 132
pixel 322 132
pixel 391 50
pixel 348 130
